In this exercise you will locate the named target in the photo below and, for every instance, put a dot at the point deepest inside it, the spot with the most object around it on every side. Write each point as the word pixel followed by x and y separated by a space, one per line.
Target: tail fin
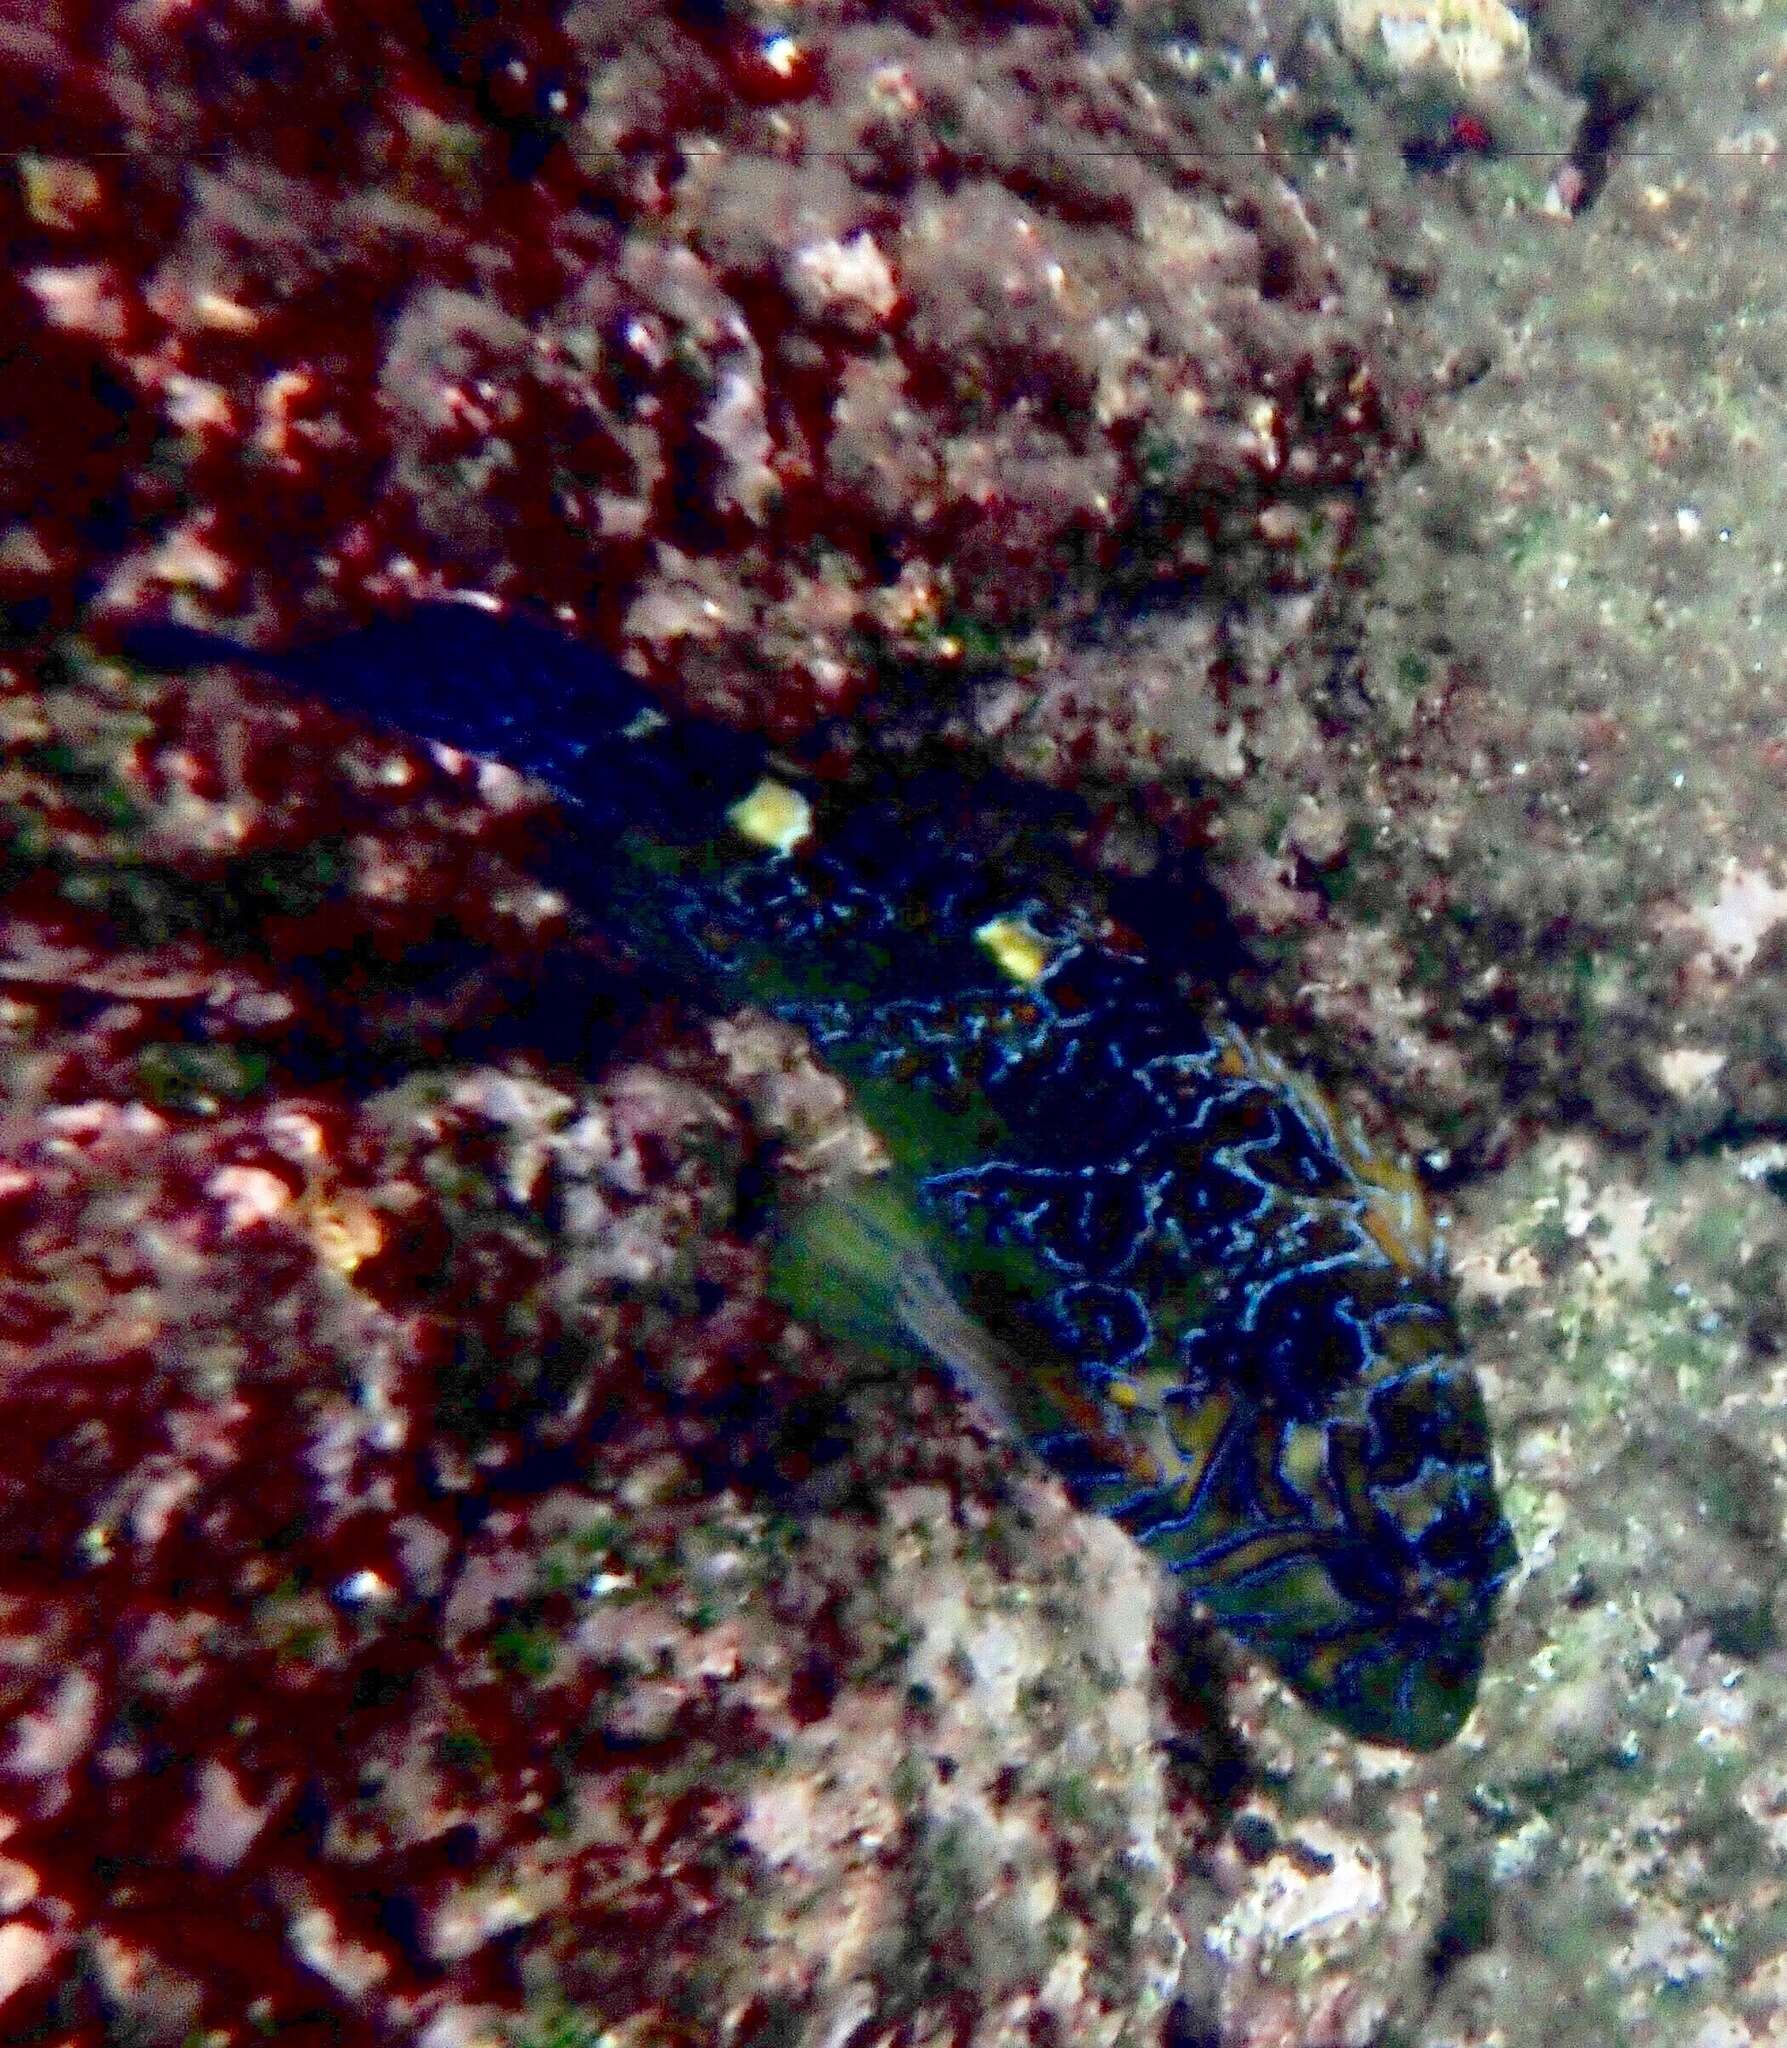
pixel 511 689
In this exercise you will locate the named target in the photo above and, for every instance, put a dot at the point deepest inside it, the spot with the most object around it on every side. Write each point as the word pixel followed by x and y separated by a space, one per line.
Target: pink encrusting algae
pixel 294 1536
pixel 396 1636
pixel 803 348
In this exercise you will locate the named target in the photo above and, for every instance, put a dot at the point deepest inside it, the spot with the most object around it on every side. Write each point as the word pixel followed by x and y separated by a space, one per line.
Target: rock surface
pixel 455 1605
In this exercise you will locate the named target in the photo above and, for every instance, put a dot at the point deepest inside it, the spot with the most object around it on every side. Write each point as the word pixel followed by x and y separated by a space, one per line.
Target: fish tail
pixel 507 688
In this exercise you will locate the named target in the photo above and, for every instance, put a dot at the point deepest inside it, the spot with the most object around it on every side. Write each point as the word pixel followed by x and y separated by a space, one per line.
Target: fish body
pixel 1147 1247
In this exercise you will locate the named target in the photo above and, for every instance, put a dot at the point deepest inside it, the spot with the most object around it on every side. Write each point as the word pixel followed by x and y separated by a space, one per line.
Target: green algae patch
pixel 1622 1828
pixel 197 1079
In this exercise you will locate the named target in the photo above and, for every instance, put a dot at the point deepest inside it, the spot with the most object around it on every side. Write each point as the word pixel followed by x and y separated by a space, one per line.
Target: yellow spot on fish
pixel 773 815
pixel 1017 947
pixel 1196 1432
pixel 1322 1666
pixel 1303 1459
pixel 1109 1434
pixel 1412 1339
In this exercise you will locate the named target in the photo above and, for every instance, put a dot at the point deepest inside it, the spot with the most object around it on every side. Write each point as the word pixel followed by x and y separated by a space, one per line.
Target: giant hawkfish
pixel 1154 1253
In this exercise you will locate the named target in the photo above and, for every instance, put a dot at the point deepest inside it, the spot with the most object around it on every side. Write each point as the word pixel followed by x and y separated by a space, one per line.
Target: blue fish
pixel 1155 1254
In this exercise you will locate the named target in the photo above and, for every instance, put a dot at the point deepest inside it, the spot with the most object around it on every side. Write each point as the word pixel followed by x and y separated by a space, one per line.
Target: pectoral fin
pixel 854 1263
pixel 936 1321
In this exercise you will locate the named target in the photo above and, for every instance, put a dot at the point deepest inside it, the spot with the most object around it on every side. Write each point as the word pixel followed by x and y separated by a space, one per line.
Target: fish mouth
pixel 1409 1686
pixel 1416 1697
pixel 1402 1668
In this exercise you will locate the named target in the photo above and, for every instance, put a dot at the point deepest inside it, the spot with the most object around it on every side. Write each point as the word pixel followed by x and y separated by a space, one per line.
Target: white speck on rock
pixel 1288 1901
pixel 854 272
pixel 1746 909
pixel 23 1953
pixel 221 1823
pixel 46 1743
pixel 1687 1069
pixel 345 1965
pixel 249 1194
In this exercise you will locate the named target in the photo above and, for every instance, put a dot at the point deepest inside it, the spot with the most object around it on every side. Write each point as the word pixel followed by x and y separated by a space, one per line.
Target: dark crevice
pixel 1467 1920
pixel 1615 101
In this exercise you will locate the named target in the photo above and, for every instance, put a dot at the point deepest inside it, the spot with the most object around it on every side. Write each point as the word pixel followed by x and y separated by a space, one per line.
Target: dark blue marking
pixel 1122 1510
pixel 1105 1328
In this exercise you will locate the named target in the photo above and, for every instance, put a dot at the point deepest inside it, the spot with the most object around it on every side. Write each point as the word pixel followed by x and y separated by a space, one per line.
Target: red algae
pixel 290 1396
pixel 775 349
pixel 287 1366
pixel 396 1632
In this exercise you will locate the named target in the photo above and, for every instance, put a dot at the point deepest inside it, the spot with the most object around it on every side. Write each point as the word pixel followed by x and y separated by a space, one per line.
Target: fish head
pixel 1365 1551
